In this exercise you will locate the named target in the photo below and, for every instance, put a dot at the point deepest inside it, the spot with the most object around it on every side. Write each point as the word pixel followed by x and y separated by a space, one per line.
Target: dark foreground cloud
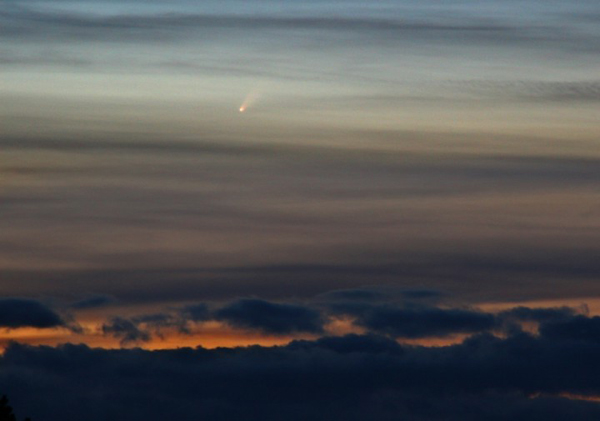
pixel 196 312
pixel 395 313
pixel 128 331
pixel 243 314
pixel 418 322
pixel 144 327
pixel 17 312
pixel 578 328
pixel 355 377
pixel 274 318
pixel 540 315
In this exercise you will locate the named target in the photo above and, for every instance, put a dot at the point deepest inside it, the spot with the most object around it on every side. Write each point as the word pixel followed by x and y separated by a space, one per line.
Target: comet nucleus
pixel 249 100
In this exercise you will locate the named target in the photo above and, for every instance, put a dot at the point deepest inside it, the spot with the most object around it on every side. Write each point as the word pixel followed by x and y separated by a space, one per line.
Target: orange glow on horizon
pixel 577 397
pixel 590 306
pixel 567 395
pixel 208 335
pixel 216 334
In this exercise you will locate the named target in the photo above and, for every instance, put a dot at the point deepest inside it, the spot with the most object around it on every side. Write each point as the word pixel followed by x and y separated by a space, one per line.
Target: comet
pixel 249 100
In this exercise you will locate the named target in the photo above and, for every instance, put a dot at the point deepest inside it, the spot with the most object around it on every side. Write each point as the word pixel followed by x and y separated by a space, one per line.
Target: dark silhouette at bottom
pixel 6 411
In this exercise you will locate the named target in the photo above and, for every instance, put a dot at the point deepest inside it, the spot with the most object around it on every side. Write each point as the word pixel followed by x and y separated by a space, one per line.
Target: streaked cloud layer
pixel 403 222
pixel 449 146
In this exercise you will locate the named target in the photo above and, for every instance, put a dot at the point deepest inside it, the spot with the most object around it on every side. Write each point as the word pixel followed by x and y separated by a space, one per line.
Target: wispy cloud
pixel 30 23
pixel 92 301
pixel 537 91
pixel 20 18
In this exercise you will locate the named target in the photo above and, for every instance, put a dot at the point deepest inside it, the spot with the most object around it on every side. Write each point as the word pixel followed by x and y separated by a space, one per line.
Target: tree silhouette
pixel 6 411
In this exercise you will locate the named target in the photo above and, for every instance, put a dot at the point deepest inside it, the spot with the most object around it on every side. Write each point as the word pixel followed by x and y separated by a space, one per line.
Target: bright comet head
pixel 248 101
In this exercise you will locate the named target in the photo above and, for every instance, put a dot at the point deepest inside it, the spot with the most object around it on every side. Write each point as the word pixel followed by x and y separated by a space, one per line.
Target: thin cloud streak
pixel 182 21
pixel 28 23
pixel 538 91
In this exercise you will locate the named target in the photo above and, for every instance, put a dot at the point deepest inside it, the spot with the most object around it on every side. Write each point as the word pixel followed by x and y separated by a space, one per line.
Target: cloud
pixel 579 328
pixel 361 29
pixel 350 207
pixel 142 328
pixel 93 301
pixel 52 59
pixel 157 319
pixel 538 91
pixel 107 145
pixel 416 322
pixel 380 294
pixel 18 312
pixel 524 275
pixel 126 330
pixel 352 343
pixel 539 315
pixel 270 317
pixel 166 25
pixel 521 377
pixel 196 312
pixel 399 316
pixel 356 294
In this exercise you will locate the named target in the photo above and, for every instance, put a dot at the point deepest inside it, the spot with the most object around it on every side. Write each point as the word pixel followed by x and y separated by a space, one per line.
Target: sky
pixel 383 209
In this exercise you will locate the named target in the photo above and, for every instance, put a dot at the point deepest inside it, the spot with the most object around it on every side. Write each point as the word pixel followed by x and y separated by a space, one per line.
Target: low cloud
pixel 17 312
pixel 579 328
pixel 521 377
pixel 126 330
pixel 402 314
pixel 269 317
pixel 196 312
pixel 499 372
pixel 417 322
pixel 539 315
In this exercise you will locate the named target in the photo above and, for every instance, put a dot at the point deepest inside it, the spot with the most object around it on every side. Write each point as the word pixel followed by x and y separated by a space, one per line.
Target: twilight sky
pixel 411 181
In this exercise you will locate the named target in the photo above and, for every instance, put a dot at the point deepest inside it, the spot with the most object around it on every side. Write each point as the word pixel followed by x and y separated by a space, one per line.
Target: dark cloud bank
pixel 410 314
pixel 17 313
pixel 243 314
pixel 500 372
pixel 521 377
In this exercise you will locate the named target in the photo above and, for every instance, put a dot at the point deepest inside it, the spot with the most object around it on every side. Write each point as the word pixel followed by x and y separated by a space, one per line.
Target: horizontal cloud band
pixel 408 315
pixel 352 378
